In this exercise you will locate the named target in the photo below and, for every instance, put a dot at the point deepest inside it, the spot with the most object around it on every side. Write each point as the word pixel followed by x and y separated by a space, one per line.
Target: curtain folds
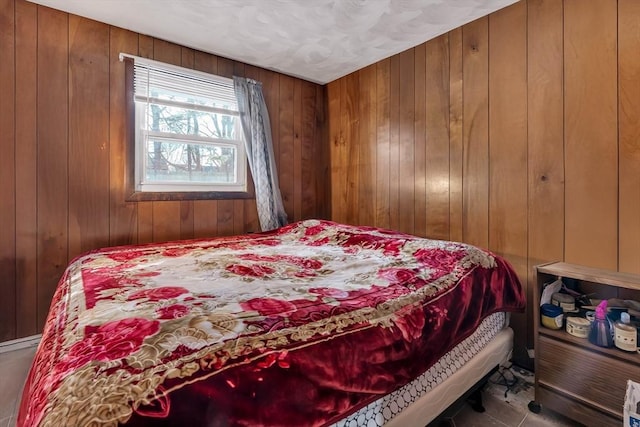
pixel 259 147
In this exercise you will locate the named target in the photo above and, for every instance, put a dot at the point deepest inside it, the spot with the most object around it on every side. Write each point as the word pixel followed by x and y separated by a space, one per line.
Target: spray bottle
pixel 600 332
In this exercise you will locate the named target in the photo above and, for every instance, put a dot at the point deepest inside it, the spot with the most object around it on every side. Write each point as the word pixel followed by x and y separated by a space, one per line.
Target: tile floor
pixel 505 410
pixel 501 411
pixel 14 366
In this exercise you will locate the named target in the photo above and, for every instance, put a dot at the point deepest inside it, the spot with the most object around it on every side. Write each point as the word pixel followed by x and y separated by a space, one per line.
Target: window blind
pixel 206 91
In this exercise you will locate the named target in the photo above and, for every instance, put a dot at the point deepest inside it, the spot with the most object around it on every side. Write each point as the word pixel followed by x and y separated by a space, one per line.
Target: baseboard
pixel 20 343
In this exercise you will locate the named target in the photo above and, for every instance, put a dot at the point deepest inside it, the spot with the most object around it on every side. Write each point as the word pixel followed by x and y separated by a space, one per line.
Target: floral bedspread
pixel 299 326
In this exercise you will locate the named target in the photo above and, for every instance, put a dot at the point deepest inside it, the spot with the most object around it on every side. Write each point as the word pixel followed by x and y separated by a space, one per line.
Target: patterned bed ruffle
pixel 381 411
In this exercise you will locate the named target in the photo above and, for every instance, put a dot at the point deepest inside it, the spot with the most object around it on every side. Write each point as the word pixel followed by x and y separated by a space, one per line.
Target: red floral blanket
pixel 298 326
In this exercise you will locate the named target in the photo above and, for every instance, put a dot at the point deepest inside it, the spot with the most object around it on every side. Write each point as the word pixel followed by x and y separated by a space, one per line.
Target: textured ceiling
pixel 317 40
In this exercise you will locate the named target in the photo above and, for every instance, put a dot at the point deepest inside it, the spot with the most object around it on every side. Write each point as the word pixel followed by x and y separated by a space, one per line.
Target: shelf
pixel 595 275
pixel 584 343
pixel 596 375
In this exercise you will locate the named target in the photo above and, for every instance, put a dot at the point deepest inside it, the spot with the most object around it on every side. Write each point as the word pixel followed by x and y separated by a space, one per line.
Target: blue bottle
pixel 600 333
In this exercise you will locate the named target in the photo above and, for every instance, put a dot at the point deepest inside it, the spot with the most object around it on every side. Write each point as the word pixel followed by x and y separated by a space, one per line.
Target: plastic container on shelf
pixel 625 334
pixel 601 329
pixel 551 316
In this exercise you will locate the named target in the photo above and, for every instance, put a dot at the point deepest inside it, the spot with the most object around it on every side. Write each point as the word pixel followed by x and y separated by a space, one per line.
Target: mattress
pixel 391 406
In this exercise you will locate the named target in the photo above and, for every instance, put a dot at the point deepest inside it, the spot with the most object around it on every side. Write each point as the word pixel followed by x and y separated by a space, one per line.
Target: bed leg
pixel 475 400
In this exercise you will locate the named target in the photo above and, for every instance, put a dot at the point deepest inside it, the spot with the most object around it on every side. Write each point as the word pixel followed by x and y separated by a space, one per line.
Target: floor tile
pixel 510 408
pixel 14 366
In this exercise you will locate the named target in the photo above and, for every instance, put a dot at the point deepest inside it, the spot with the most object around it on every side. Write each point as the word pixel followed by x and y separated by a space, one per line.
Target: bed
pixel 316 323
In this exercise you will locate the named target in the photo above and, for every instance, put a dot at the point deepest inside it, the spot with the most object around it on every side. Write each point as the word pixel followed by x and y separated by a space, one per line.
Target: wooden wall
pixel 519 132
pixel 62 104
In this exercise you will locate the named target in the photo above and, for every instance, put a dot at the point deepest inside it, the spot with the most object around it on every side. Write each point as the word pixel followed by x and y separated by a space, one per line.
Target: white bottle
pixel 625 334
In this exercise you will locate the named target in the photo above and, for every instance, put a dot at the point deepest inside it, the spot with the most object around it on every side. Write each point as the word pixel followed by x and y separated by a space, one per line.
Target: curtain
pixel 259 147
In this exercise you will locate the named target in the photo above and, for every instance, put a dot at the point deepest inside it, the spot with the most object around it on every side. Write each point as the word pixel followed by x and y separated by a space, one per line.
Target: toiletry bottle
pixel 600 332
pixel 625 333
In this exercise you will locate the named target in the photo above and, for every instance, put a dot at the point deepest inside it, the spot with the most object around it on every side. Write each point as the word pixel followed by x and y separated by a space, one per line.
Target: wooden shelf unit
pixel 572 376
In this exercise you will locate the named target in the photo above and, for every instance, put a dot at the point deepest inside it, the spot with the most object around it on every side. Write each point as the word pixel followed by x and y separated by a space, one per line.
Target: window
pixel 187 131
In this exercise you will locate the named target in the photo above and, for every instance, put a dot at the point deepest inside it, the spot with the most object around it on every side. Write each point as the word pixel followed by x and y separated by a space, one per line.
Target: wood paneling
pixel 475 132
pixel 395 163
pixel 545 132
pixel 382 142
pixel 513 132
pixel 52 126
pixel 64 139
pixel 629 134
pixel 123 224
pixel 26 168
pixel 436 136
pixel 286 146
pixel 406 137
pixel 420 168
pixel 590 117
pixel 88 144
pixel 367 151
pixel 508 145
pixel 7 172
pixel 510 132
pixel 455 135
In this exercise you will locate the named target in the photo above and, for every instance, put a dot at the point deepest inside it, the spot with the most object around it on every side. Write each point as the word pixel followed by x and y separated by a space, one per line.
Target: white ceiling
pixel 317 40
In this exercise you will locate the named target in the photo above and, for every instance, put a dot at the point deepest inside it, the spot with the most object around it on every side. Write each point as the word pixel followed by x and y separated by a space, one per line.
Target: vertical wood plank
pixel 311 155
pixel 508 134
pixel 629 131
pixel 322 146
pixel 88 135
pixel 367 152
pixel 420 140
pixel 298 113
pixel 53 167
pixel 455 135
pixel 591 151
pixel 545 140
pixel 26 23
pixel 508 148
pixel 475 184
pixel 123 216
pixel 350 98
pixel 7 172
pixel 437 122
pixel 225 217
pixel 545 132
pixel 238 217
pixel 145 209
pixel 286 141
pixel 406 166
pixel 383 89
pixel 205 218
pixel 394 161
pixel 336 141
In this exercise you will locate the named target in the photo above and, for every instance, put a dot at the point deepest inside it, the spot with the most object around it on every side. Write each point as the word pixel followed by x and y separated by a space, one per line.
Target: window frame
pixel 133 194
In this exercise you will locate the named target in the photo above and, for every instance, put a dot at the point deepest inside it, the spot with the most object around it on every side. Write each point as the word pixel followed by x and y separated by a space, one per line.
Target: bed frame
pixel 428 407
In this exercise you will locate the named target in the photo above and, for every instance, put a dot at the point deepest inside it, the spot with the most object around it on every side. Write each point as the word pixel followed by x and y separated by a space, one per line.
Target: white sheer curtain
pixel 259 147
